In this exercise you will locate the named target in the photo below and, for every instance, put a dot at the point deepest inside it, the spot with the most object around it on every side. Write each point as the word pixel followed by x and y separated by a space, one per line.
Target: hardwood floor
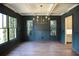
pixel 47 48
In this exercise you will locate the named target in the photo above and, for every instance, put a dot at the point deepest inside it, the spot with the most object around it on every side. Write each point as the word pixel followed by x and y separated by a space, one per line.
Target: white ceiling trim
pixel 70 9
pixel 26 14
pixel 50 8
pixel 11 7
pixel 53 7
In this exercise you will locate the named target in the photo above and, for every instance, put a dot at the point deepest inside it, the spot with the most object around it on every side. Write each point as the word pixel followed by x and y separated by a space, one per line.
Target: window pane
pixel 0 20
pixel 15 24
pixel 15 34
pixel 29 27
pixel 12 34
pixel 11 22
pixel 12 28
pixel 3 35
pixel 4 21
pixel 53 27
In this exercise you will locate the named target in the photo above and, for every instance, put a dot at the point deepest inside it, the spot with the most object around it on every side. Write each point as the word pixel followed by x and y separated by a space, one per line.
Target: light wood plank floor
pixel 47 48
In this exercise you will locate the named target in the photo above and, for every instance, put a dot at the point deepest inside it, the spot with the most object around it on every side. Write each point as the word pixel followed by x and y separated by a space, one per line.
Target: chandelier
pixel 41 17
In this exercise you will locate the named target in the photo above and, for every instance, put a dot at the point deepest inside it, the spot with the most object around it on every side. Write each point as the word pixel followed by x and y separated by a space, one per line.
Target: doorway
pixel 68 31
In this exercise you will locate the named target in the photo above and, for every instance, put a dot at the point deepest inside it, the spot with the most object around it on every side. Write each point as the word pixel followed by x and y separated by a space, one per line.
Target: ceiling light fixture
pixel 41 17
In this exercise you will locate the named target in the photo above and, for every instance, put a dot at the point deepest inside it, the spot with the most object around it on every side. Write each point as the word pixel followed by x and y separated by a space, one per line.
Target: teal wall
pixel 75 28
pixel 42 31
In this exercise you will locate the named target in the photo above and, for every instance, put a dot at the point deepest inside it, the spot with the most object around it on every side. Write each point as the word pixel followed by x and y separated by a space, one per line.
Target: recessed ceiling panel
pixel 40 9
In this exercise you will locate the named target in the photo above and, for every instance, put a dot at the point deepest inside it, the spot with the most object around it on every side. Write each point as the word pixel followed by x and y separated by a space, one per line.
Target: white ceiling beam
pixel 53 7
pixel 49 9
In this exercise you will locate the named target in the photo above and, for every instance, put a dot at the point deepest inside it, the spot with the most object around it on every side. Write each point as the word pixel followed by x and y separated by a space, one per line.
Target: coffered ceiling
pixel 40 9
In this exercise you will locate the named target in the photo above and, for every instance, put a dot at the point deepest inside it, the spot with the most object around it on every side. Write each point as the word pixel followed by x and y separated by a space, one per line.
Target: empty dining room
pixel 39 29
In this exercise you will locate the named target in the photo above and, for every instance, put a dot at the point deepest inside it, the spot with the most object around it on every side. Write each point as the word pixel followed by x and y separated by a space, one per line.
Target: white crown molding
pixel 23 14
pixel 11 7
pixel 26 14
pixel 70 9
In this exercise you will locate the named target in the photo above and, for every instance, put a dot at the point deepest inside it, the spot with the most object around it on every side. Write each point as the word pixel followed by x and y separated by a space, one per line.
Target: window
pixel 53 27
pixel 29 27
pixel 12 28
pixel 0 20
pixel 7 27
pixel 3 28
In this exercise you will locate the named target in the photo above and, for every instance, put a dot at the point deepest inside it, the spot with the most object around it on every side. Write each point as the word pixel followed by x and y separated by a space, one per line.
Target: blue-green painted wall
pixel 42 31
pixel 75 28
